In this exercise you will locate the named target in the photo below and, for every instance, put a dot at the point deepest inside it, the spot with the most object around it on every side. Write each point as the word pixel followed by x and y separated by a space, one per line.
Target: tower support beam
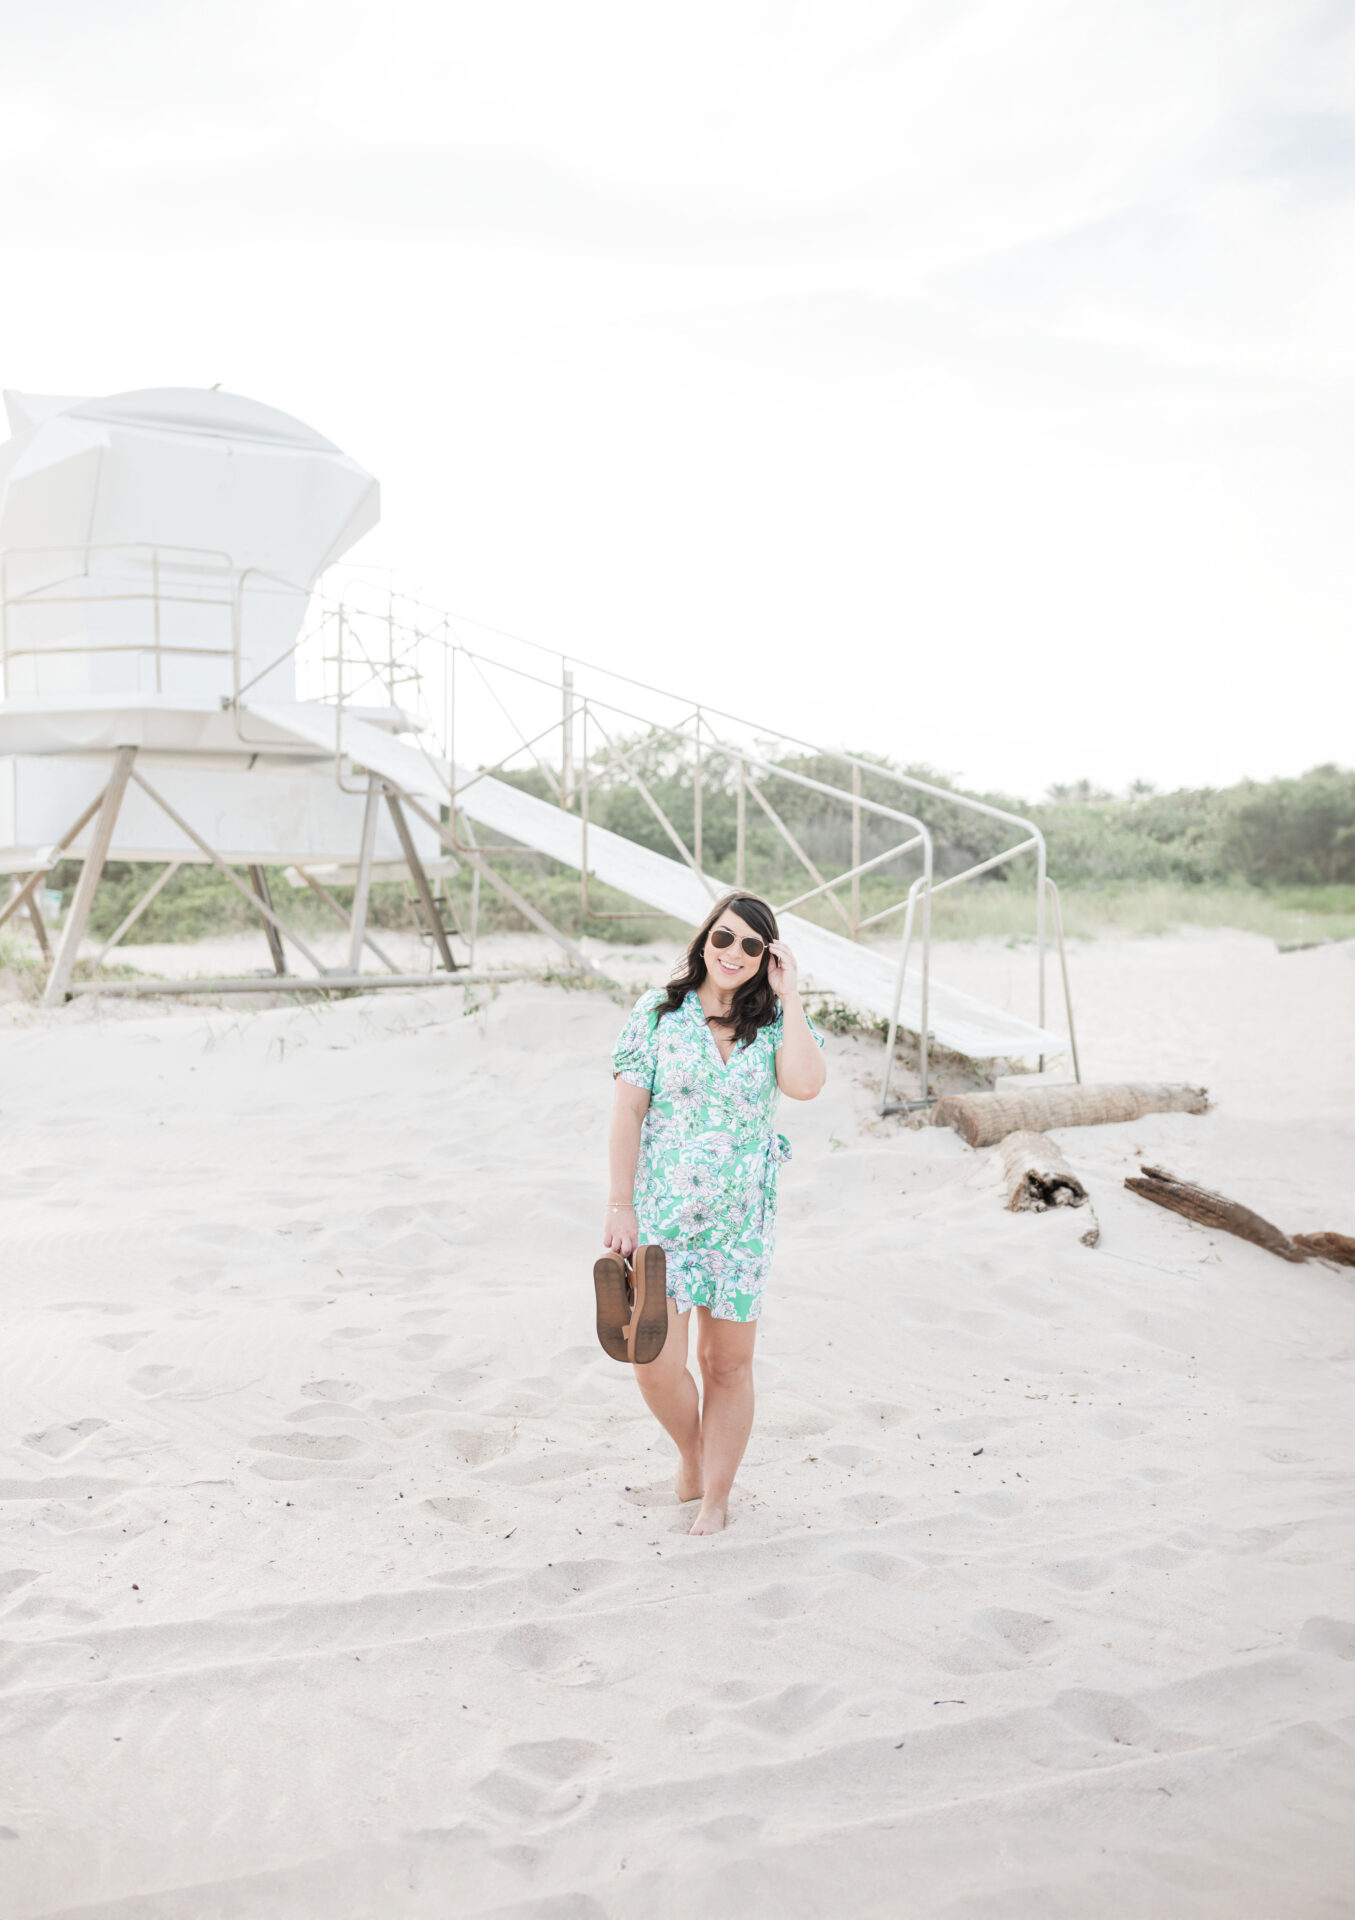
pixel 101 839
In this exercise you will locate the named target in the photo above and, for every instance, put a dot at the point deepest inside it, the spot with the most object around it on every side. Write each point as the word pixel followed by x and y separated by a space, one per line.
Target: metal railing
pixel 580 730
pixel 45 590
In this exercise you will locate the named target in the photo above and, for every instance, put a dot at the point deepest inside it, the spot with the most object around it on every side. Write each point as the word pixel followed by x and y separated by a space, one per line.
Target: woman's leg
pixel 670 1395
pixel 724 1350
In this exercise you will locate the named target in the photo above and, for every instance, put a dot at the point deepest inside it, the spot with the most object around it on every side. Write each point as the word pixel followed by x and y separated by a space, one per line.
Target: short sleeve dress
pixel 705 1185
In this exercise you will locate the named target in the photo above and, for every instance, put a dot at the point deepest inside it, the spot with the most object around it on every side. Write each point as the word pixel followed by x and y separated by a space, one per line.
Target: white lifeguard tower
pixel 158 551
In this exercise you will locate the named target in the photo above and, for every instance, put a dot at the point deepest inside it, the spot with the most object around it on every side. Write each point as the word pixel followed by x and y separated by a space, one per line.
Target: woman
pixel 693 1169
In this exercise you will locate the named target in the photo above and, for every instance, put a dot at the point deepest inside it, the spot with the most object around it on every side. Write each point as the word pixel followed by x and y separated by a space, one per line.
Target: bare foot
pixel 711 1518
pixel 687 1485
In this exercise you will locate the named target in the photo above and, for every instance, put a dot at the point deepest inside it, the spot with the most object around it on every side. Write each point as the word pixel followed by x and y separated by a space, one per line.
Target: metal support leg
pixel 258 879
pixel 343 914
pixel 117 936
pixel 898 997
pixel 476 862
pixel 1057 905
pixel 924 1014
pixel 39 926
pixel 923 887
pixel 468 828
pixel 192 834
pixel 856 854
pixel 1041 872
pixel 741 826
pixel 567 736
pixel 24 892
pixel 420 879
pixel 91 871
pixel 358 923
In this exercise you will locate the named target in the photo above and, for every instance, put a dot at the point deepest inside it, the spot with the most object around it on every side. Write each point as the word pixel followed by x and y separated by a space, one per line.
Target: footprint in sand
pixel 514 1799
pixel 396 1216
pixel 1001 1503
pixel 1111 1718
pixel 1324 1635
pixel 310 1446
pixel 422 1346
pixel 461 1510
pixel 1157 1554
pixel 311 1456
pixel 317 1410
pixel 534 1648
pixel 16 1577
pixel 1002 1639
pixel 874 1507
pixel 57 1442
pixel 781 1601
pixel 447 1836
pixel 887 1412
pixel 225 1233
pixel 1079 1576
pixel 1117 1425
pixel 791 1709
pixel 567 1580
pixel 889 1567
pixel 159 1378
pixel 477 1445
pixel 542 1779
pixel 120 1342
pixel 461 1381
pixel 556 1759
pixel 340 1390
pixel 199 1282
pixel 89 1306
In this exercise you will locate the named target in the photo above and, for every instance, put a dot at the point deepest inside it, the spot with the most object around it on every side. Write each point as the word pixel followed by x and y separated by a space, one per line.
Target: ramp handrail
pixel 403 648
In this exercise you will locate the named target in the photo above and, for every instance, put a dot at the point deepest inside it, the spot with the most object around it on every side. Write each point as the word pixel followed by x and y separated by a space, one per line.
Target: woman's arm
pixel 800 1066
pixel 620 1230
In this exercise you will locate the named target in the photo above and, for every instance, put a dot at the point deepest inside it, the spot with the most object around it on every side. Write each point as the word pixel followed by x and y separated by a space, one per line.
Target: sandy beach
pixel 342 1575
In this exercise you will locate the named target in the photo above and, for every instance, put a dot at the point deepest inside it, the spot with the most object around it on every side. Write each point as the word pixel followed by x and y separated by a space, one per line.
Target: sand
pixel 342 1574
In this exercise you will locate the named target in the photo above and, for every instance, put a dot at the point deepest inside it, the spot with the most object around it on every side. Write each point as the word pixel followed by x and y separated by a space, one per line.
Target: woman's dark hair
pixel 755 1005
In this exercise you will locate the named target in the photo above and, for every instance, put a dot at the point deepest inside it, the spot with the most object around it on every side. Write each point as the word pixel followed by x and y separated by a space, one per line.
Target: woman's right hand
pixel 620 1231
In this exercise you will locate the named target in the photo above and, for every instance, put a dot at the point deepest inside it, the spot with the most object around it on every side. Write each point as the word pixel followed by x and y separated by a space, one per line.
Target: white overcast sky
pixel 968 380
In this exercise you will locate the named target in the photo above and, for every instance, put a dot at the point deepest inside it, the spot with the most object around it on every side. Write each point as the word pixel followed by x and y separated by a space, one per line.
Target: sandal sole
pixel 648 1327
pixel 613 1308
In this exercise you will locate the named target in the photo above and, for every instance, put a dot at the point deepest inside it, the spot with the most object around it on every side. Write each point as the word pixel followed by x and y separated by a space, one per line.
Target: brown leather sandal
pixel 632 1304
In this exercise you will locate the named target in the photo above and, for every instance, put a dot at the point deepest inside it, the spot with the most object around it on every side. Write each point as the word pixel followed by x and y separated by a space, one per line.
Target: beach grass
pixel 1288 915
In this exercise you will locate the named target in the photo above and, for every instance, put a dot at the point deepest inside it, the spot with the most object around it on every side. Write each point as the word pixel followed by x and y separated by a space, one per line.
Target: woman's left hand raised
pixel 783 975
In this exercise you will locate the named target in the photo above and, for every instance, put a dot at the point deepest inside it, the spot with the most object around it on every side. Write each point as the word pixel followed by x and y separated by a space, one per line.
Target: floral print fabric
pixel 705 1185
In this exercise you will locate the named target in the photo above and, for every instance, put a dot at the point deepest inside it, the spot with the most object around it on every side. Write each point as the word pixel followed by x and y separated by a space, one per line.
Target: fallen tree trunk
pixel 1212 1210
pixel 985 1118
pixel 1328 1246
pixel 1038 1178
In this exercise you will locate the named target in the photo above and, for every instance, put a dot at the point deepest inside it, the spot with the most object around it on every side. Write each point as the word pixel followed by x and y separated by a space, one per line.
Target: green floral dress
pixel 705 1185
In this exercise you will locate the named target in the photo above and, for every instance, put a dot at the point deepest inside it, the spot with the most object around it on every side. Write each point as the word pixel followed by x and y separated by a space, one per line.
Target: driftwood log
pixel 985 1118
pixel 1212 1210
pixel 1038 1177
pixel 1339 1247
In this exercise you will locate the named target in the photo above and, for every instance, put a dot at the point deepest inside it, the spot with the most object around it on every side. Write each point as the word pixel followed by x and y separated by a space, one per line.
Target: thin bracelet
pixel 621 1206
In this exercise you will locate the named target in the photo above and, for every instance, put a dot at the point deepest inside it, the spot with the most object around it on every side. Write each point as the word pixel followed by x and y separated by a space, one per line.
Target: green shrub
pixel 1146 854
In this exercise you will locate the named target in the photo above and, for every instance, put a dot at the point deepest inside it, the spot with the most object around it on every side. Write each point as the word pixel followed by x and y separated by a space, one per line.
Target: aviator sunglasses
pixel 750 943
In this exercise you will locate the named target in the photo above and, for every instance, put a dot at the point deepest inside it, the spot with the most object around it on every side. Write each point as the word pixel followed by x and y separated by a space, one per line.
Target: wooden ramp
pixel 864 976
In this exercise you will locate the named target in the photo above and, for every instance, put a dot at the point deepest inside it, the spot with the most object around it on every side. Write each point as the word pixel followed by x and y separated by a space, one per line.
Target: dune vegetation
pixel 1274 857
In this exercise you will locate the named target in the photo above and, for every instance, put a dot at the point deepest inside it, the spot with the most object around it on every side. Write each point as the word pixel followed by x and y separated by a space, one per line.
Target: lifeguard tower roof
pixel 140 531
